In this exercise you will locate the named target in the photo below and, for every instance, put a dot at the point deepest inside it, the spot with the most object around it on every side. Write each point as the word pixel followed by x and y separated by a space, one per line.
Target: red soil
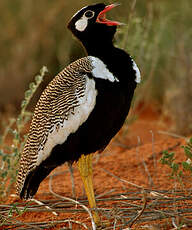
pixel 124 157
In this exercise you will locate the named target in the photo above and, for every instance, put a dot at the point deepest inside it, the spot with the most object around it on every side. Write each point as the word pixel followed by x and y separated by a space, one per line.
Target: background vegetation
pixel 157 34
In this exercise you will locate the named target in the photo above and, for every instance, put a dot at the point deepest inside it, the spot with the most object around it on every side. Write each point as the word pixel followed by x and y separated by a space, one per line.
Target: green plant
pixel 178 169
pixel 15 211
pixel 10 153
pixel 169 160
pixel 157 34
pixel 18 211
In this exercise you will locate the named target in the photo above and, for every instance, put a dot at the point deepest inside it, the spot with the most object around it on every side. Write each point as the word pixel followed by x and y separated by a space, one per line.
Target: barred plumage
pixel 56 104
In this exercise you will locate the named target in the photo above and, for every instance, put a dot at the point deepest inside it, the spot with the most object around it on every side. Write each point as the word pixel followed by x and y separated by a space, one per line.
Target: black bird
pixel 82 108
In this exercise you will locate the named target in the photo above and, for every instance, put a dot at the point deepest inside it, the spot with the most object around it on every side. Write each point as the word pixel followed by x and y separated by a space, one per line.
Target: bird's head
pixel 91 23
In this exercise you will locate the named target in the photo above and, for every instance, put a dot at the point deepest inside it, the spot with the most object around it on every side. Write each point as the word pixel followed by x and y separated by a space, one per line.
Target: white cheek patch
pixel 81 24
pixel 137 72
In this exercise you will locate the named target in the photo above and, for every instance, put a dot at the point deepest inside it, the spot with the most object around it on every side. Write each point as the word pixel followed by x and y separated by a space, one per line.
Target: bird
pixel 82 108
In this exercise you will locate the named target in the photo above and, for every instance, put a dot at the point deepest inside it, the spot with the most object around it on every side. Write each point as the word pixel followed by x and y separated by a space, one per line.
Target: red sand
pixel 124 158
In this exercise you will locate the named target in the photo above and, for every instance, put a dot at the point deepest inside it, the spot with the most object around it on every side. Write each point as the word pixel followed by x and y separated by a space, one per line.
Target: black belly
pixel 106 119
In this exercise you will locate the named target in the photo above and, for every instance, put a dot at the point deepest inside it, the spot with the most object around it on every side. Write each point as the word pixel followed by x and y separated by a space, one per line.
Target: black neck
pixel 118 61
pixel 99 49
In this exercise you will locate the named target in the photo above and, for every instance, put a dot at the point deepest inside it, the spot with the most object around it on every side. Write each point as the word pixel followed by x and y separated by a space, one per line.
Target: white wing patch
pixel 81 113
pixel 137 72
pixel 100 70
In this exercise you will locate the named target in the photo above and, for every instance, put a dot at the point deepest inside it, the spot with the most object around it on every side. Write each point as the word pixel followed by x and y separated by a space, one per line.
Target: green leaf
pixel 16 134
pixel 186 165
pixel 43 70
pixel 1 152
pixel 15 150
pixel 188 152
pixel 4 158
pixel 4 174
pixel 23 104
pixel 190 141
pixel 10 213
pixel 19 118
pixel 175 167
pixel 28 93
pixel 16 209
pixel 180 173
pixel 167 158
pixel 38 78
pixel 32 85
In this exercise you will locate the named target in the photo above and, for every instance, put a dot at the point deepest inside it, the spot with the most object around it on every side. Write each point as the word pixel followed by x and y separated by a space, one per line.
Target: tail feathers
pixel 33 180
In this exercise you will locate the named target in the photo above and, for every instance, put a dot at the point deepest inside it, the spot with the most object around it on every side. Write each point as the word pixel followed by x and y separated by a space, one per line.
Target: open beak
pixel 101 18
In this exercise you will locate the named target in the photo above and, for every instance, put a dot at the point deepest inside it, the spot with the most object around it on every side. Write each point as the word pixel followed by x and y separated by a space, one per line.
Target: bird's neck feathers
pixel 99 43
pixel 117 61
pixel 99 48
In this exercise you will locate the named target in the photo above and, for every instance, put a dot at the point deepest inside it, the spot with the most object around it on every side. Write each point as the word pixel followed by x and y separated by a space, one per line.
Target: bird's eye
pixel 89 14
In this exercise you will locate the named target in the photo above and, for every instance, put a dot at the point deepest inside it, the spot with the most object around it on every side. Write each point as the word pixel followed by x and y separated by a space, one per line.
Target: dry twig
pixel 141 211
pixel 173 135
pixel 47 207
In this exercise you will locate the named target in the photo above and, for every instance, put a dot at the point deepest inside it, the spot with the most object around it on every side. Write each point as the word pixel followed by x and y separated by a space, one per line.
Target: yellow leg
pixel 85 169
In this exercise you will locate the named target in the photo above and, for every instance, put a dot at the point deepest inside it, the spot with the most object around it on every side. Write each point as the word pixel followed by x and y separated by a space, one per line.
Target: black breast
pixel 111 109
